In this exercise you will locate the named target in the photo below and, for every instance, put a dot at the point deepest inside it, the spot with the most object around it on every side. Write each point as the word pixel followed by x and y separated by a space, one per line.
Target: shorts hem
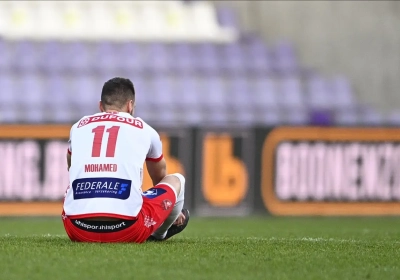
pixel 169 185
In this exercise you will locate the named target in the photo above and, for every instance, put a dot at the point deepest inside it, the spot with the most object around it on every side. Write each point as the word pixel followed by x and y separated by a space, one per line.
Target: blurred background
pixel 275 62
pixel 234 65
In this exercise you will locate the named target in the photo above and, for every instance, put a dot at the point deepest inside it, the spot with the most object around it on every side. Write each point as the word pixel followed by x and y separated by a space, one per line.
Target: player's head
pixel 118 94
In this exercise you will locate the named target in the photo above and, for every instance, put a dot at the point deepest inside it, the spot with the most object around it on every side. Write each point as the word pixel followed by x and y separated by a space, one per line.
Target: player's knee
pixel 176 180
pixel 181 179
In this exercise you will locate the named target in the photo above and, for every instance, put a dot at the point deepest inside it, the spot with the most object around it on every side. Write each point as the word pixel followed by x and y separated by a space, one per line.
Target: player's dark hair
pixel 117 92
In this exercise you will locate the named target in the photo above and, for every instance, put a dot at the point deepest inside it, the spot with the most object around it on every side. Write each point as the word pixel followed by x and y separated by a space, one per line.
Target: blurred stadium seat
pixel 208 78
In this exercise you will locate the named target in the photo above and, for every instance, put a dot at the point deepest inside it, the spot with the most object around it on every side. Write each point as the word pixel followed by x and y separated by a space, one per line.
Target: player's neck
pixel 112 111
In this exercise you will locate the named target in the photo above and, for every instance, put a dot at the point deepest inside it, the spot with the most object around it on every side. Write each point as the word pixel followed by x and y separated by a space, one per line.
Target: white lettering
pixel 384 153
pixel 369 171
pixel 302 187
pixel 338 171
pixel 335 170
pixel 395 162
pixel 19 170
pixel 56 177
pixel 285 169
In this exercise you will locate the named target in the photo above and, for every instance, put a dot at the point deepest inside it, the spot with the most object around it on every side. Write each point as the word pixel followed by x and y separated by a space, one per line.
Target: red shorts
pixel 153 213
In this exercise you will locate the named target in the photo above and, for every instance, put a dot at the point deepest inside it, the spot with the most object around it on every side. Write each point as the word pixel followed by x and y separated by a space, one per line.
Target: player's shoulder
pixel 83 120
pixel 146 126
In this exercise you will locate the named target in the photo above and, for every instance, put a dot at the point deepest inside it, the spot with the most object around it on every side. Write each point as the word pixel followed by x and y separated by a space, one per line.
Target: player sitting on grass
pixel 104 202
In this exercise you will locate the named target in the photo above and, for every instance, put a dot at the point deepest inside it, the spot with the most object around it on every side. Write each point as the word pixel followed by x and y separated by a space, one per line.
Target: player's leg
pixel 177 182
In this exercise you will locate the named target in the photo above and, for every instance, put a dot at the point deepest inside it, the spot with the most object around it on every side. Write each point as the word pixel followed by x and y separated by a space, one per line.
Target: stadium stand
pixel 185 58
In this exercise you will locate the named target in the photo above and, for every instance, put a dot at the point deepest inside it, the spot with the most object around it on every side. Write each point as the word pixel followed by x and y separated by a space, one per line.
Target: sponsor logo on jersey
pixel 154 192
pixel 166 204
pixel 111 118
pixel 101 187
pixel 149 221
pixel 102 226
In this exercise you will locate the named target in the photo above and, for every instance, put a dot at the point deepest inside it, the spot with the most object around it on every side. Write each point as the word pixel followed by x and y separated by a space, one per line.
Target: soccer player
pixel 104 202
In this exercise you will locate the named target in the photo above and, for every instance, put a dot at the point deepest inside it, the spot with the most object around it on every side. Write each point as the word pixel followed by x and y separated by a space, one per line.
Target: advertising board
pixel 331 171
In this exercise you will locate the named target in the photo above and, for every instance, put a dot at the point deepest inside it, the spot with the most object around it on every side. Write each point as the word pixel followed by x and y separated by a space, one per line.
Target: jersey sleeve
pixel 155 152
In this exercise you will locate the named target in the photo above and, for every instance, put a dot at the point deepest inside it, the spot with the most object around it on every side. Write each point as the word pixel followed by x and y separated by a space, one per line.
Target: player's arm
pixel 69 151
pixel 157 170
pixel 68 160
pixel 155 162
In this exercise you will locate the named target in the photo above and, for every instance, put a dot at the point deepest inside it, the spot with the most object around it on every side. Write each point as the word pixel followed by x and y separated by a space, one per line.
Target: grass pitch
pixel 223 248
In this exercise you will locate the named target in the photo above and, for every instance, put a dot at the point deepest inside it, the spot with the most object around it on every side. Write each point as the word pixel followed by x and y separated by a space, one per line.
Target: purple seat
pixel 218 118
pixel 241 117
pixel 9 99
pixel 343 96
pixel 31 85
pixel 25 57
pixel 239 108
pixel 56 92
pixel 162 92
pixel 213 93
pixel 157 58
pixel 84 94
pixel 346 117
pixel 264 95
pixel 206 58
pixel 232 58
pixel 161 98
pixel 319 96
pixel 212 100
pixel 182 55
pixel 291 93
pixel 9 115
pixel 192 117
pixel 5 55
pixel 188 95
pixel 142 88
pixel 284 58
pixel 144 97
pixel 370 116
pixel 268 117
pixel 105 57
pixel 226 17
pixel 238 92
pixel 51 57
pixel 131 57
pixel 321 117
pixel 257 58
pixel 187 92
pixel 8 94
pixel 264 99
pixel 78 57
pixel 296 116
pixel 33 115
pixel 238 101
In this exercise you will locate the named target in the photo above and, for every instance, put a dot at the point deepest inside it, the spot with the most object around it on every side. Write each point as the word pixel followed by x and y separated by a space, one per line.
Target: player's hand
pixel 180 220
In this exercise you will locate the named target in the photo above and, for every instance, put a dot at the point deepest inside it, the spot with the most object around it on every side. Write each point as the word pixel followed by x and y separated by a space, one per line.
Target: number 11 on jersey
pixel 98 140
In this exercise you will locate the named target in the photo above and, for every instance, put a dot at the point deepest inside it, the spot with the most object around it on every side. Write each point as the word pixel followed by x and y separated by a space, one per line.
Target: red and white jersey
pixel 107 155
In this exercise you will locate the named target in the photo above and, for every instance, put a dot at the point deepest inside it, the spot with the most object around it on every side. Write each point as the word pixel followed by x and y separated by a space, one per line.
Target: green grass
pixel 223 248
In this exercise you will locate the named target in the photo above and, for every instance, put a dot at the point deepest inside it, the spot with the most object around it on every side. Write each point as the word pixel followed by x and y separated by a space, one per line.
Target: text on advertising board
pixel 331 171
pixel 30 171
pixel 337 171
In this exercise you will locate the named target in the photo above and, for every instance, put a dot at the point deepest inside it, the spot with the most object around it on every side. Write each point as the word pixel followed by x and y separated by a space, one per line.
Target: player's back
pixel 107 155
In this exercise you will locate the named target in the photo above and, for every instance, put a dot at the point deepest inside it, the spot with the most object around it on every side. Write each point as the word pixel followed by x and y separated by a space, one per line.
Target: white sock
pixel 162 230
